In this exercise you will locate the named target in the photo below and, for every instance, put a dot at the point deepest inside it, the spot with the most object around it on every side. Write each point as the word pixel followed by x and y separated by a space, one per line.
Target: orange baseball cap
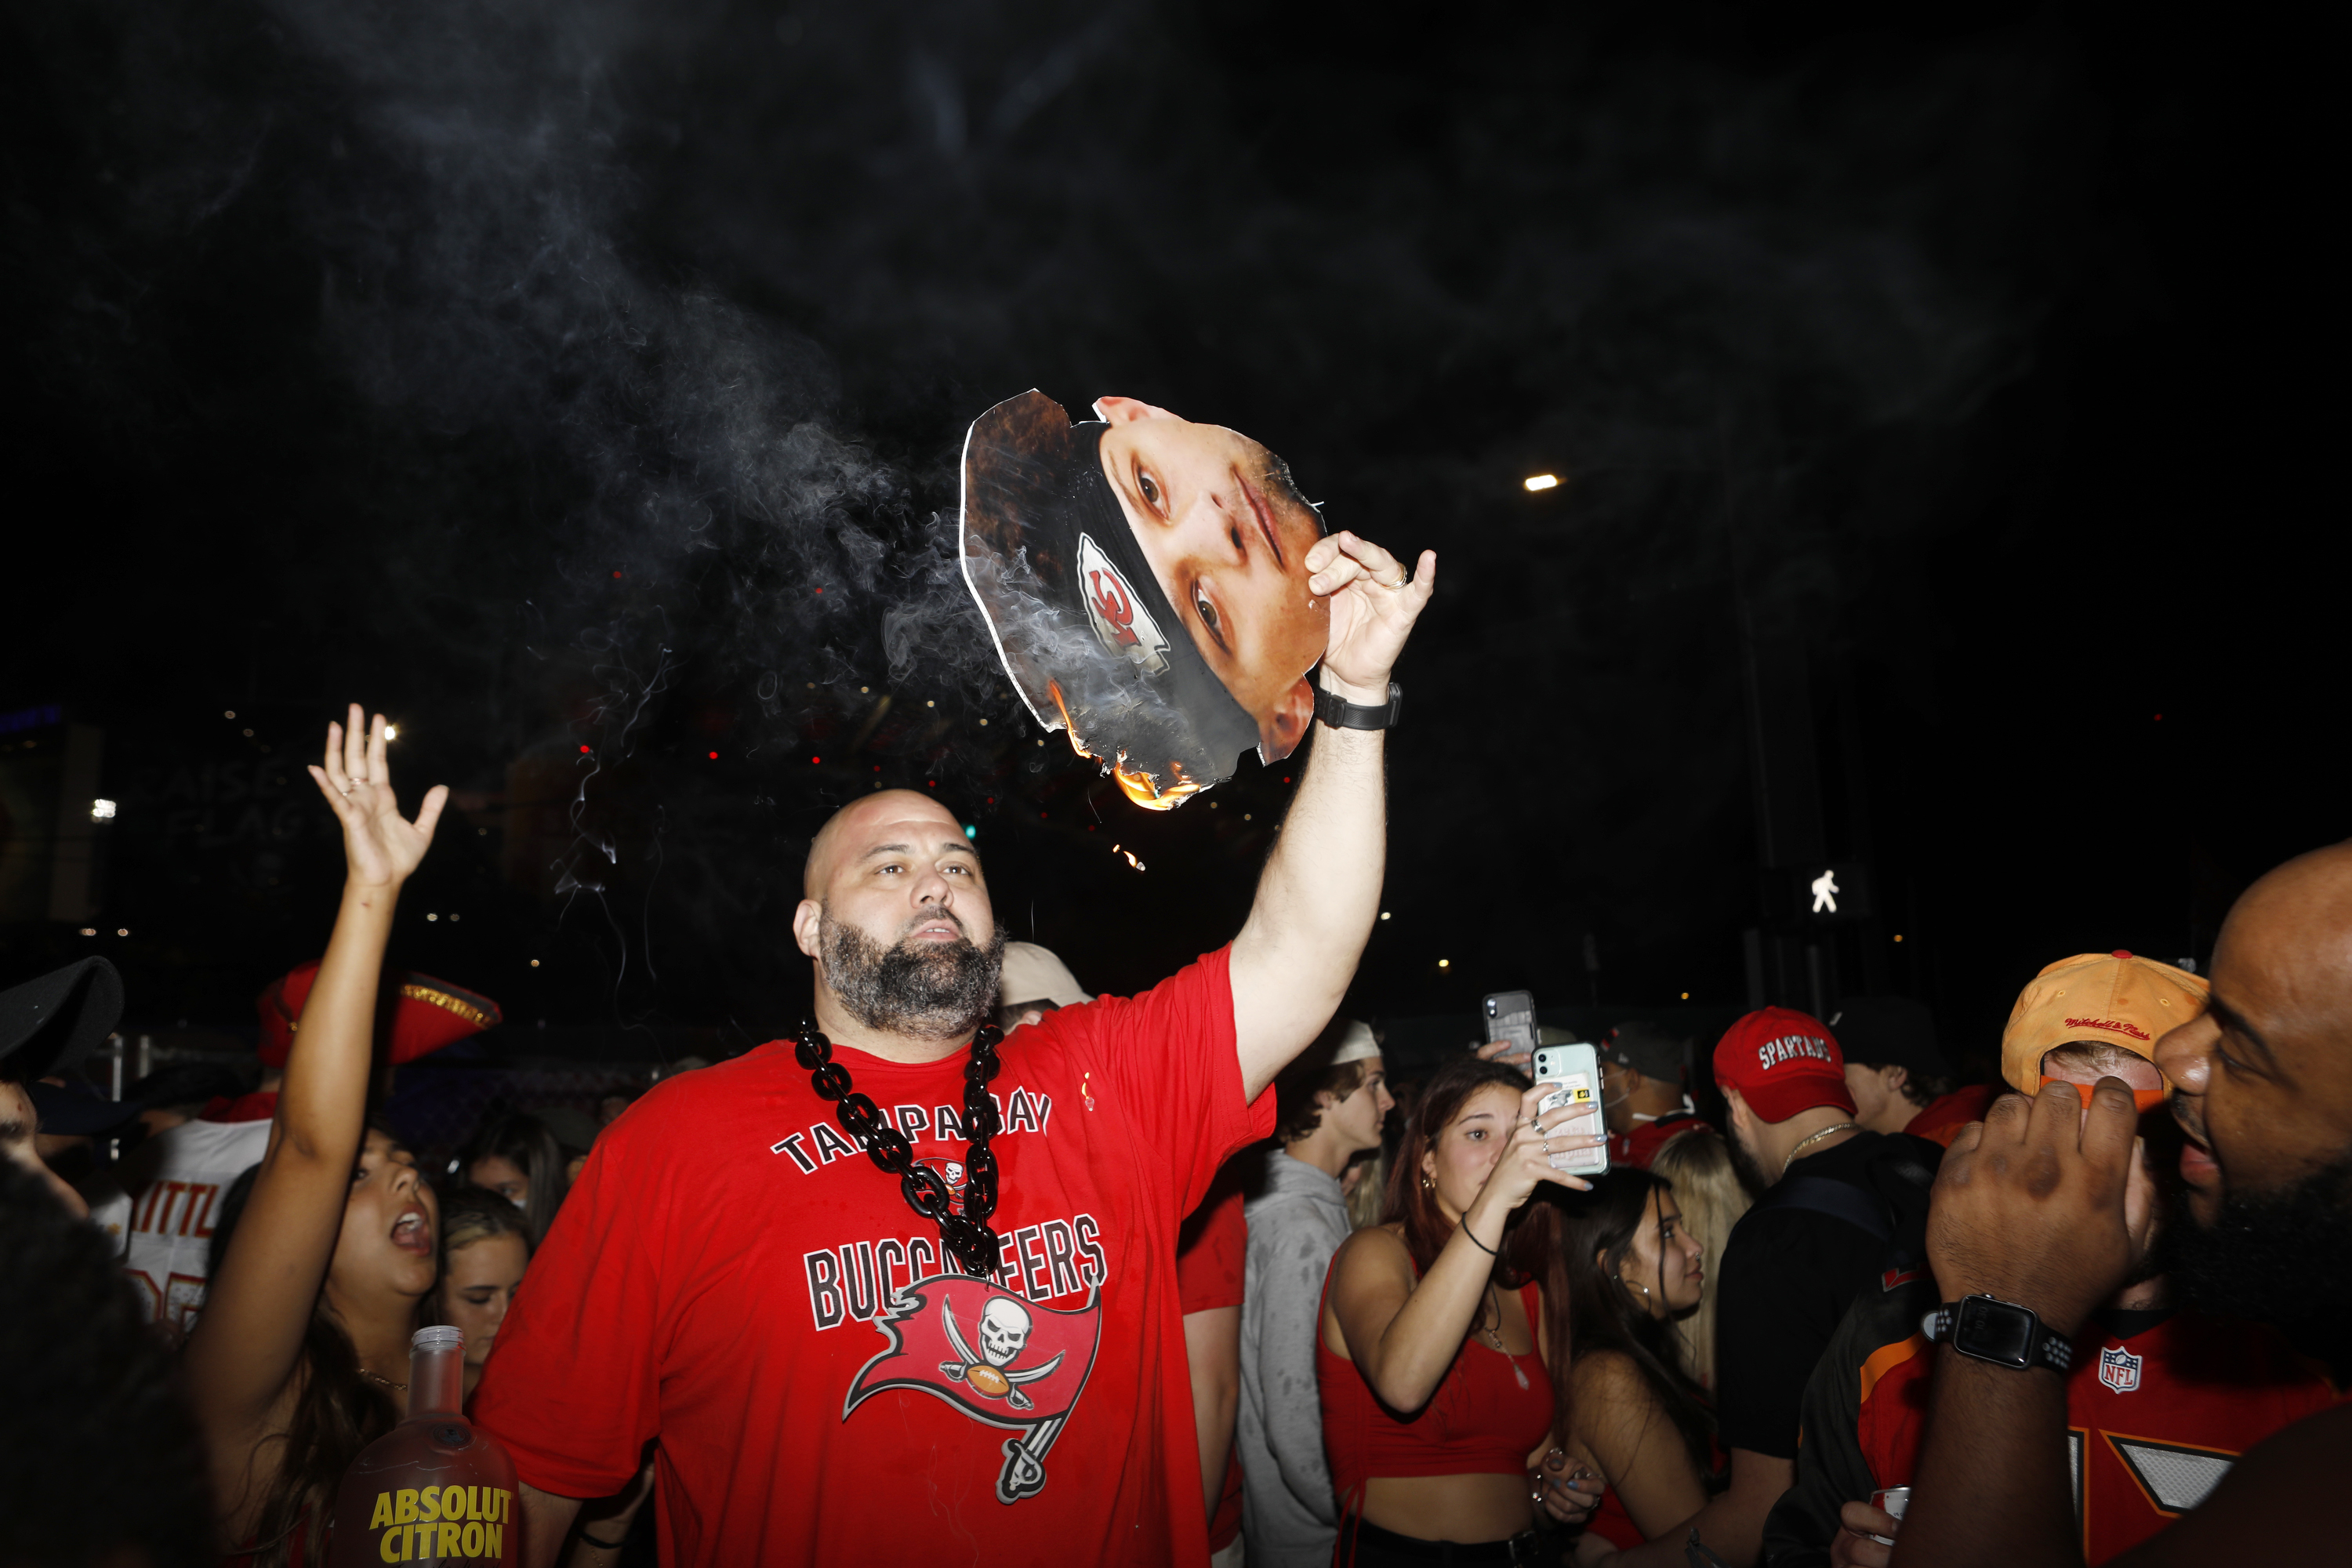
pixel 2097 999
pixel 427 1015
pixel 1782 1061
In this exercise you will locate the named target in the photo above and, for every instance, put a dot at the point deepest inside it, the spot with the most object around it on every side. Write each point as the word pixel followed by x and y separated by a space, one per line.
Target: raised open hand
pixel 380 846
pixel 1374 606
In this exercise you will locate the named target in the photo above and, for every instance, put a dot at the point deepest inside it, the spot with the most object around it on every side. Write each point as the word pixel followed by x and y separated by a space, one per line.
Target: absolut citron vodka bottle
pixel 432 1490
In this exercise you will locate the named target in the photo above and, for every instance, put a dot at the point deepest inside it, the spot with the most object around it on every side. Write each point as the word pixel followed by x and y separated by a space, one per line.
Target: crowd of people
pixel 981 1267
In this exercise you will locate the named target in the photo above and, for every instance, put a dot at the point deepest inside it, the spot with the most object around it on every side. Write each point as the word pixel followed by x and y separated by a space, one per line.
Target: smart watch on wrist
pixel 1341 714
pixel 2002 1333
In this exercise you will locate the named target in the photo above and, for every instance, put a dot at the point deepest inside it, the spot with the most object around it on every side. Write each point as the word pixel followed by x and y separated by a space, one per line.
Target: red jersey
pixel 1639 1146
pixel 731 1276
pixel 1941 1118
pixel 1210 1255
pixel 2154 1420
pixel 1213 1248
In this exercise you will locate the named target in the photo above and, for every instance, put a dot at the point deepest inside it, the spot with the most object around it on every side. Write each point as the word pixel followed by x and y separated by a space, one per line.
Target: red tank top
pixel 1479 1422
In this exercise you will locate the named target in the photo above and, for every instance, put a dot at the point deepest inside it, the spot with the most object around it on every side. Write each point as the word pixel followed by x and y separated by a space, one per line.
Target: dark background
pixel 1938 406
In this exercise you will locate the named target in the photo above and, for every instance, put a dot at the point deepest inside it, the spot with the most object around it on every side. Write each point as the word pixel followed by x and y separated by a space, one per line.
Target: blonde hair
pixel 1371 1196
pixel 1707 1190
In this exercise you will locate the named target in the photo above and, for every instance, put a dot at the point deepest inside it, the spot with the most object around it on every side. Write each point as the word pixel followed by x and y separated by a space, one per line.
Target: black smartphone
pixel 1511 1016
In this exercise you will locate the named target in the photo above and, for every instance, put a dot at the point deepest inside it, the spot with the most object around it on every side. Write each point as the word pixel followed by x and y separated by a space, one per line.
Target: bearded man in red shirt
pixel 974 1353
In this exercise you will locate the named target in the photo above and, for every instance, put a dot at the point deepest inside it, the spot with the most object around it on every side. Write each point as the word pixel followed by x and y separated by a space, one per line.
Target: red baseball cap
pixel 1782 1061
pixel 430 1014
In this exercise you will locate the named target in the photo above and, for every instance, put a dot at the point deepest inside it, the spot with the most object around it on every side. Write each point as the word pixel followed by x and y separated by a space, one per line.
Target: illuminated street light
pixel 101 811
pixel 1543 481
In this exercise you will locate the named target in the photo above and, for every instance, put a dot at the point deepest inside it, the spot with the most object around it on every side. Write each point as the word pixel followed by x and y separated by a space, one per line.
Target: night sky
pixel 526 371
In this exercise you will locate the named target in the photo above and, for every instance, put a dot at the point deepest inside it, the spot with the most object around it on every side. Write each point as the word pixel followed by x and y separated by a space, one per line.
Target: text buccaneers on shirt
pixel 735 1281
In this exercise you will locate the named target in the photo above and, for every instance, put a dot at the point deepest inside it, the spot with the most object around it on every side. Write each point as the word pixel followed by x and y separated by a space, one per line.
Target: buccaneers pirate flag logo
pixel 992 1355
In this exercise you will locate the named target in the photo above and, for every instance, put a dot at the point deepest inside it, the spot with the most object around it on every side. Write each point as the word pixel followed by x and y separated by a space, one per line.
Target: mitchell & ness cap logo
pixel 1117 611
pixel 2113 1025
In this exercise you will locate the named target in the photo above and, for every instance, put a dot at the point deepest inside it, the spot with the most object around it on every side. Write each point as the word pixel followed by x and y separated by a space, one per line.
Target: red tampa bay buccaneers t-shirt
pixel 733 1276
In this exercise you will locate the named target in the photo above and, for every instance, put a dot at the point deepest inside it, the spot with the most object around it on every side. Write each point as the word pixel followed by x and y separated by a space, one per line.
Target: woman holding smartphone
pixel 1442 1359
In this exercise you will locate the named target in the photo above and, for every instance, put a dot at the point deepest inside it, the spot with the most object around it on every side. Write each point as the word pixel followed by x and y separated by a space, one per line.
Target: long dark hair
pixel 1531 1241
pixel 524 1142
pixel 336 1413
pixel 1596 1234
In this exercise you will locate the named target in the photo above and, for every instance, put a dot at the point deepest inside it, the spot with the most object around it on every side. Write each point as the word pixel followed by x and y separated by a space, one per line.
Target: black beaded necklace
pixel 966 1235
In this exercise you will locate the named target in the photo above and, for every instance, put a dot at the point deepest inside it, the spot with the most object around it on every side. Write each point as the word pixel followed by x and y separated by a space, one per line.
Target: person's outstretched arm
pixel 249 1339
pixel 1321 886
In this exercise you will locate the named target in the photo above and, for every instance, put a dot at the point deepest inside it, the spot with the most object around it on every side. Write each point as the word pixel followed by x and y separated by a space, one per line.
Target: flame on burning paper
pixel 1139 787
pixel 1130 857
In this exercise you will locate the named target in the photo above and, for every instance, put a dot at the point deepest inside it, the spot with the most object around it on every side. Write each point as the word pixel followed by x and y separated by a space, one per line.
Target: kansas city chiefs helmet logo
pixel 995 1357
pixel 1116 612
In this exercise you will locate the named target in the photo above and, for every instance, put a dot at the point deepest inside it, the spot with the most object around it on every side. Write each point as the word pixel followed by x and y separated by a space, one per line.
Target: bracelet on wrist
pixel 605 1545
pixel 1464 1229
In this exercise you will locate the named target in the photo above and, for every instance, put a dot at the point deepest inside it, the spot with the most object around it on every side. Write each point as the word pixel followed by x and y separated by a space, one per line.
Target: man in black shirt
pixel 1839 1202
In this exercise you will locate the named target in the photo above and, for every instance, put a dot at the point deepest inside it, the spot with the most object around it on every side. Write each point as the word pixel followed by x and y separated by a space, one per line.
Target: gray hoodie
pixel 1296 1222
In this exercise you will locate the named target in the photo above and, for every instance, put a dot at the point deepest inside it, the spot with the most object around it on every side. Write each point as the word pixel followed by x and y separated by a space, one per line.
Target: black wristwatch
pixel 2002 1333
pixel 1341 714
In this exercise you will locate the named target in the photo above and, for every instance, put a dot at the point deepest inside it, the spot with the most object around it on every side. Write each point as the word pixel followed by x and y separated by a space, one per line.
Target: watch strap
pixel 2045 1347
pixel 1341 714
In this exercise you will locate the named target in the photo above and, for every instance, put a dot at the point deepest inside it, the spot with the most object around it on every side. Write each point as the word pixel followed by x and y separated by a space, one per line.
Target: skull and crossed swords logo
pixel 1003 1332
pixel 932 1352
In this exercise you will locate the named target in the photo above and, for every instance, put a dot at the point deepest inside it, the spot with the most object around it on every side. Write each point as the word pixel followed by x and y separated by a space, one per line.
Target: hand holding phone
pixel 1575 1070
pixel 1510 1018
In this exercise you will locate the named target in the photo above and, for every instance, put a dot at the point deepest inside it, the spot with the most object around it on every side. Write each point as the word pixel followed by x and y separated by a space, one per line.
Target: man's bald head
pixel 2300 917
pixel 2266 1093
pixel 860 820
pixel 896 915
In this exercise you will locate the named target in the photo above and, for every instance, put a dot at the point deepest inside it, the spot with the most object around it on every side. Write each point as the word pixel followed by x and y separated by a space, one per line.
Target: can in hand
pixel 1890 1500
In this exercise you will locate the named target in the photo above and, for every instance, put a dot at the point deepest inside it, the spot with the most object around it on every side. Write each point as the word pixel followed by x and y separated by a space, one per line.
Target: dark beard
pixel 929 991
pixel 2280 1257
pixel 1744 1167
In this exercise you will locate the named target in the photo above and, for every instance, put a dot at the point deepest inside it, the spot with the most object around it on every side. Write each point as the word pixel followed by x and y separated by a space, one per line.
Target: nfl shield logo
pixel 2119 1369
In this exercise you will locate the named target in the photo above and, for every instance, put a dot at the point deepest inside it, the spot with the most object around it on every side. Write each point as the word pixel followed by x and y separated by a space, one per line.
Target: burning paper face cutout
pixel 1145 579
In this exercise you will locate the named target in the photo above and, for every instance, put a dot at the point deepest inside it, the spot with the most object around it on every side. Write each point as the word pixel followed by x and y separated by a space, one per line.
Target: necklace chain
pixel 1494 1334
pixel 1806 1143
pixel 966 1235
pixel 385 1381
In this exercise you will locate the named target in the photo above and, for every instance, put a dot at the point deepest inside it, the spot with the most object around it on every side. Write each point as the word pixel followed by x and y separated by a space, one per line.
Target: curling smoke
pixel 610 489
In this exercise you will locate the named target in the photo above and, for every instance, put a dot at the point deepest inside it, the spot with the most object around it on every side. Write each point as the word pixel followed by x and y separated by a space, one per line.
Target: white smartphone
pixel 1576 1070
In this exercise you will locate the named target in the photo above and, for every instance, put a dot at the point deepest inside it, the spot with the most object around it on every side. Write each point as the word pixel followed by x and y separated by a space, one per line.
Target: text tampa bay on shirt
pixel 982 1344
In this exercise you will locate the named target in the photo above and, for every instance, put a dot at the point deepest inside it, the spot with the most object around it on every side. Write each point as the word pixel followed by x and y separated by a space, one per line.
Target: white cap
pixel 1032 973
pixel 1356 1044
